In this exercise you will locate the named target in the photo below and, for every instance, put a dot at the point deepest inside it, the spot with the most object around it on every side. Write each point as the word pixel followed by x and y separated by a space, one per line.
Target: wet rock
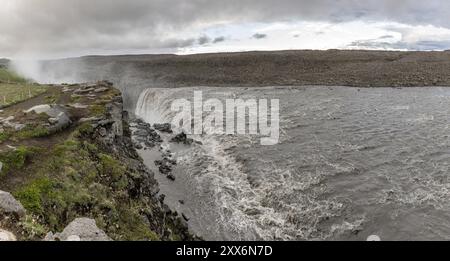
pixel 166 127
pixel 161 198
pixel 171 177
pixel 144 134
pixel 81 229
pixel 166 209
pixel 182 138
pixel 7 236
pixel 164 167
pixel 138 146
pixel 9 205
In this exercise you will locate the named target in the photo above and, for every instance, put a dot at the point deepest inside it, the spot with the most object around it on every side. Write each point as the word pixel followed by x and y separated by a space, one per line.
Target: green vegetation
pixel 8 76
pixel 79 179
pixel 32 131
pixel 31 195
pixel 14 93
pixel 14 89
pixel 15 159
pixel 4 136
pixel 97 110
pixel 77 175
pixel 50 99
pixel 32 228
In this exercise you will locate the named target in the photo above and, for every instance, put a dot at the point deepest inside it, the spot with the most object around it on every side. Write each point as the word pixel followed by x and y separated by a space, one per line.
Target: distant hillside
pixel 4 63
pixel 7 76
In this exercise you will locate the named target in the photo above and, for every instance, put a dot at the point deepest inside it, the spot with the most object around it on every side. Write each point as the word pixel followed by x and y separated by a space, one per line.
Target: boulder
pixel 59 117
pixel 182 138
pixel 7 236
pixel 81 229
pixel 9 205
pixel 39 109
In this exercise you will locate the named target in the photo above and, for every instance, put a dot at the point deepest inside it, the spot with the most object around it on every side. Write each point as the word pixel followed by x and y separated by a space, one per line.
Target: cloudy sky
pixel 62 28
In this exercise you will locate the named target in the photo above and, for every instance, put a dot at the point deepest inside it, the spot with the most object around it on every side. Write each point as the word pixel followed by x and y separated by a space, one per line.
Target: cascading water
pixel 350 163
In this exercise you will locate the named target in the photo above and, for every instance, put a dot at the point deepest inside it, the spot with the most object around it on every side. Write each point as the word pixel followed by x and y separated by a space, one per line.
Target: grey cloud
pixel 204 40
pixel 259 36
pixel 86 26
pixel 219 39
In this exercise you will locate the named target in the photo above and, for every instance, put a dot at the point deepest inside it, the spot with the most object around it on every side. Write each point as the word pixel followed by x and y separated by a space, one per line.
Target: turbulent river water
pixel 350 163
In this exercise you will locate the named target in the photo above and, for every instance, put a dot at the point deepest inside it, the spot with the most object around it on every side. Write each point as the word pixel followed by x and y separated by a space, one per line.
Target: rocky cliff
pixel 83 179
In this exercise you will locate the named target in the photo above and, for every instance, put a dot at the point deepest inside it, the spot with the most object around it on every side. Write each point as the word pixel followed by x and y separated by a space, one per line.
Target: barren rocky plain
pixel 278 68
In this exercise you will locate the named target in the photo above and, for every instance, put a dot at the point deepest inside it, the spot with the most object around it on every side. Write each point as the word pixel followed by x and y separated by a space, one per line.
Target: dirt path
pixel 45 143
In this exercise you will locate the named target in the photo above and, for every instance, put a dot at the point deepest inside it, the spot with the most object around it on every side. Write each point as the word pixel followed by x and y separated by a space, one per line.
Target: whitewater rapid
pixel 350 163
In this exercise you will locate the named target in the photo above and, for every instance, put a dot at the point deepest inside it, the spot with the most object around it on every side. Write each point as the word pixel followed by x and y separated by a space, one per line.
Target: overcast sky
pixel 61 28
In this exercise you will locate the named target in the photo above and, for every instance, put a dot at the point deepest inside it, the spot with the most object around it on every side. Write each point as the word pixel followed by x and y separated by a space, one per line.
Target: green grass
pixel 8 76
pixel 32 195
pixel 78 179
pixel 97 110
pixel 31 131
pixel 14 93
pixel 16 159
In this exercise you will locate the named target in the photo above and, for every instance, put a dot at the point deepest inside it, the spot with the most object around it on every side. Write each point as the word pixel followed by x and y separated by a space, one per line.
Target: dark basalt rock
pixel 145 135
pixel 166 127
pixel 142 184
pixel 182 138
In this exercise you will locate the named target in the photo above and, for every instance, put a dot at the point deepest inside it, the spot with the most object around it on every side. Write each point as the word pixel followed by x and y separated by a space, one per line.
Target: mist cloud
pixel 73 27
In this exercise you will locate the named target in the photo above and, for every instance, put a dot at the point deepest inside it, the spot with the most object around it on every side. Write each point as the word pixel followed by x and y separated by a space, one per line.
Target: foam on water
pixel 351 163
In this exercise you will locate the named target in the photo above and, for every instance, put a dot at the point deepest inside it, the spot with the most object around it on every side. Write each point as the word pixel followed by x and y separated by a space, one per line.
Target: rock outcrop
pixel 7 236
pixel 59 117
pixel 10 206
pixel 81 229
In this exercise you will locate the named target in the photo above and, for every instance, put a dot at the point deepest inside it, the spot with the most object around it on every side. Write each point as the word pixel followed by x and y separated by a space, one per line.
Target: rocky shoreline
pixel 105 191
